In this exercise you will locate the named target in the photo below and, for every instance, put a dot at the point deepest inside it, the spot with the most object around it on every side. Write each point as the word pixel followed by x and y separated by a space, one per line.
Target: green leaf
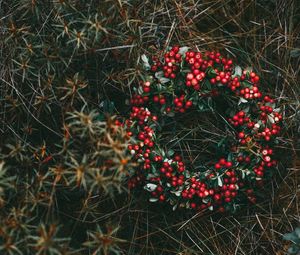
pixel 229 157
pixel 237 71
pixel 200 107
pixel 164 80
pixel 211 72
pixel 153 199
pixel 221 142
pixel 220 182
pixel 150 187
pixel 159 74
pixel 293 249
pixel 183 50
pixel 290 237
pixel 242 100
pixel 100 117
pixel 207 85
pixel 170 153
pixel 170 114
pixel 243 175
pixel 108 106
pixel 295 53
pixel 297 231
pixel 145 62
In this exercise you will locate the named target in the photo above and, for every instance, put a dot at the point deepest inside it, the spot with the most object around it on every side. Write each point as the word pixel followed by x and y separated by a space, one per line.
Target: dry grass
pixel 82 75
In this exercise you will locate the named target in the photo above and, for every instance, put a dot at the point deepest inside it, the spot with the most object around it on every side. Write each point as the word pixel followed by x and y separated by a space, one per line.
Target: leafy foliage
pixel 195 81
pixel 294 237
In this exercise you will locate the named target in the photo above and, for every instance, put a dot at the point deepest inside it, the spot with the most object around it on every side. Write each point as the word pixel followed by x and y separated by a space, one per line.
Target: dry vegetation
pixel 67 65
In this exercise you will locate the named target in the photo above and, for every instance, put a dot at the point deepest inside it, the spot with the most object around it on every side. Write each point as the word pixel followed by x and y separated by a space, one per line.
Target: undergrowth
pixel 67 67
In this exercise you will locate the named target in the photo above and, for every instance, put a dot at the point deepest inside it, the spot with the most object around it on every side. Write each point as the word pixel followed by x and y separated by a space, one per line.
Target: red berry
pixel 217 166
pixel 241 135
pixel 188 104
pixel 228 164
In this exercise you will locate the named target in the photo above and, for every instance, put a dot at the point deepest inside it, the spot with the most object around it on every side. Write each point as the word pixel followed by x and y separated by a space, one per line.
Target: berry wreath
pixel 183 80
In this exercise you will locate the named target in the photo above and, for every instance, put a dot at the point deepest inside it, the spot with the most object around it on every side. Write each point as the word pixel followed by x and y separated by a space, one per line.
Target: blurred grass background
pixel 66 64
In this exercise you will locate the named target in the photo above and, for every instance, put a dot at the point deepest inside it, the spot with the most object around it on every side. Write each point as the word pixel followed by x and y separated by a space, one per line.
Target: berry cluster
pixel 181 105
pixel 239 119
pixel 223 164
pixel 172 60
pixel 138 100
pixel 159 99
pixel 146 86
pixel 216 58
pixel 223 78
pixel 233 84
pixel 156 64
pixel 250 93
pixel 194 78
pixel 268 133
pixel 233 177
pixel 197 65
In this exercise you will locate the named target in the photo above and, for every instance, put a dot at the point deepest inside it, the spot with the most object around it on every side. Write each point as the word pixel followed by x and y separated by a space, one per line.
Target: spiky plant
pixel 63 152
pixel 103 242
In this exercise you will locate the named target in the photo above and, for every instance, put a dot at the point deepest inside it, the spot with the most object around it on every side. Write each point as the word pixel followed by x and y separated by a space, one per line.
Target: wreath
pixel 183 81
